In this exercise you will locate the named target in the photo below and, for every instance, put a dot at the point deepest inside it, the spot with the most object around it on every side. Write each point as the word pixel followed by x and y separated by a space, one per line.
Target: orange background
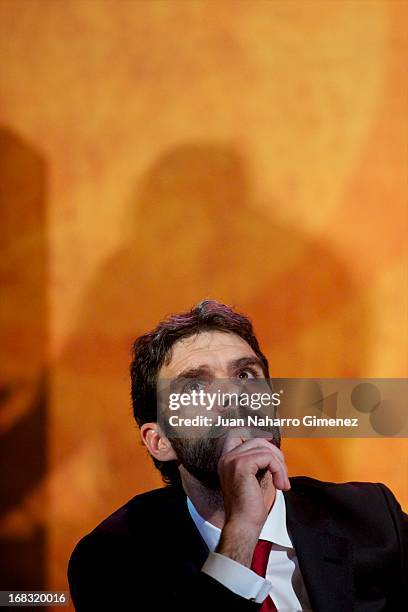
pixel 157 153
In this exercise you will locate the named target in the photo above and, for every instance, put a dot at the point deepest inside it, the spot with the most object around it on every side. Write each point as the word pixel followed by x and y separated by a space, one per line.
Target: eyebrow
pixel 201 370
pixel 204 370
pixel 243 362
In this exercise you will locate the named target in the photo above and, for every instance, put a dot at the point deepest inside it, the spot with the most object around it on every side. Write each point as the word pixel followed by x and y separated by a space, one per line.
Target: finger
pixel 233 447
pixel 257 444
pixel 280 476
pixel 265 459
pixel 237 454
pixel 256 459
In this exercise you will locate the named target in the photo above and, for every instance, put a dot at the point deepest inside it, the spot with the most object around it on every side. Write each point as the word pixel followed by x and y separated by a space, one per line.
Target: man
pixel 231 531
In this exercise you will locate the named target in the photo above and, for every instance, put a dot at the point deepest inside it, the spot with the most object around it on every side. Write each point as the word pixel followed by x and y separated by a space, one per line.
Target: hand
pixel 244 501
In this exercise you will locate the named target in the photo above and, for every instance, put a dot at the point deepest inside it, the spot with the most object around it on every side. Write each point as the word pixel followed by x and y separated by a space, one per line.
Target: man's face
pixel 213 355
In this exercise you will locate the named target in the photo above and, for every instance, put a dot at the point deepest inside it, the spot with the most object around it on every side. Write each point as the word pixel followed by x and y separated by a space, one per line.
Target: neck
pixel 210 504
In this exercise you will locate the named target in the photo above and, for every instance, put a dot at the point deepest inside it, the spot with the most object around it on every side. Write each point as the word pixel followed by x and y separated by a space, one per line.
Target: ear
pixel 158 445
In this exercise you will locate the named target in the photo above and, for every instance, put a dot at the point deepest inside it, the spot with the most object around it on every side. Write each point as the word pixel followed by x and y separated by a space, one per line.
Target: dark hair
pixel 154 349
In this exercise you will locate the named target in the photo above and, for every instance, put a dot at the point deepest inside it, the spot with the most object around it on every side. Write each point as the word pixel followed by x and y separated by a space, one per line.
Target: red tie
pixel 259 565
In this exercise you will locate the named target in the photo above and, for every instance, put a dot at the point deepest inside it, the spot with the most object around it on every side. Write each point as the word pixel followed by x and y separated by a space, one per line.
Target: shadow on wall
pixel 23 335
pixel 194 231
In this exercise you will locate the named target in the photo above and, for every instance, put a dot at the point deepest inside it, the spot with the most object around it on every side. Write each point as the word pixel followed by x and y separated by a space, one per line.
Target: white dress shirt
pixel 283 580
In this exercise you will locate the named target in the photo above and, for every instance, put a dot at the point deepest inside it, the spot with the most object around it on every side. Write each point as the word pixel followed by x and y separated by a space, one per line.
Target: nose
pixel 229 393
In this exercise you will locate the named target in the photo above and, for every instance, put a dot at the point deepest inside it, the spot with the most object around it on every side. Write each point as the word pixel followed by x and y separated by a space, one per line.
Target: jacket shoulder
pixel 116 533
pixel 142 509
pixel 371 500
pixel 305 484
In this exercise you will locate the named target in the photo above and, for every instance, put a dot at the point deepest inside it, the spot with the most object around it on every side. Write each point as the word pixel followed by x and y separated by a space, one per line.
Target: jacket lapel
pixel 325 558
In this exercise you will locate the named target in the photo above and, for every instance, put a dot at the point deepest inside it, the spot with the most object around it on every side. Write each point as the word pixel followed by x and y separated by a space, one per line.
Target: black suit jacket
pixel 350 539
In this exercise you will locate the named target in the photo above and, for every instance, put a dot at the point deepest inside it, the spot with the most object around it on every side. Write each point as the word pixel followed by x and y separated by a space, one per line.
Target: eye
pixel 193 385
pixel 247 374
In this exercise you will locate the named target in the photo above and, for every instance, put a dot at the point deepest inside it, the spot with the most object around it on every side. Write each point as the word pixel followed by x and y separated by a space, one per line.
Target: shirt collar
pixel 274 529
